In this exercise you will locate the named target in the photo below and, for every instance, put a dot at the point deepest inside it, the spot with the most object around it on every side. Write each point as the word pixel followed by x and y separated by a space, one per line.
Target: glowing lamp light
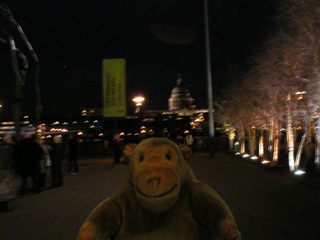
pixel 302 92
pixel 245 155
pixel 138 101
pixel 265 162
pixel 299 172
pixel 254 158
pixel 237 153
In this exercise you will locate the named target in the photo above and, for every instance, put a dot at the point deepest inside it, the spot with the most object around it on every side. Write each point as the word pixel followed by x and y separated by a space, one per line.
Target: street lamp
pixel 138 101
pixel 209 77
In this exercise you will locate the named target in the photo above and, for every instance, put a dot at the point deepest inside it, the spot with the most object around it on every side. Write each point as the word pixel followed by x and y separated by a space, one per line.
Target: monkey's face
pixel 156 177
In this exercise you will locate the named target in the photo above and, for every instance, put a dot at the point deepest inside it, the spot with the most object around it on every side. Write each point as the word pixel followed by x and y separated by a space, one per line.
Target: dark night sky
pixel 72 37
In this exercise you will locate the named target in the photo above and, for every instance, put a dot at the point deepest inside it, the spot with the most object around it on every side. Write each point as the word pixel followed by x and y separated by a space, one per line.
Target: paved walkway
pixel 267 205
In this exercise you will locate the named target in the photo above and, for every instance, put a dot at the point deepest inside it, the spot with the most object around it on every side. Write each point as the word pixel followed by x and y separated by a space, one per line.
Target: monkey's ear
pixel 128 149
pixel 186 151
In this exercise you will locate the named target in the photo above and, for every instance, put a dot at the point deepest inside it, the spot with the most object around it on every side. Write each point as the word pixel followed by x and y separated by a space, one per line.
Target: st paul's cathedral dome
pixel 180 97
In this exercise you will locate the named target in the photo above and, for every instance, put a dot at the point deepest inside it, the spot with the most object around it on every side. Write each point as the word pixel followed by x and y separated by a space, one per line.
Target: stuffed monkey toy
pixel 161 200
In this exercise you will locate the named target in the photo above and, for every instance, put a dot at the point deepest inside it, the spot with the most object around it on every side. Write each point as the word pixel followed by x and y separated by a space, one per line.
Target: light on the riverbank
pixel 299 172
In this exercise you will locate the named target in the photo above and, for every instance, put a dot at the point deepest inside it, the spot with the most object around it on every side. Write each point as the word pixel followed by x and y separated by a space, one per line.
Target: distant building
pixel 180 116
pixel 90 111
pixel 180 102
pixel 180 97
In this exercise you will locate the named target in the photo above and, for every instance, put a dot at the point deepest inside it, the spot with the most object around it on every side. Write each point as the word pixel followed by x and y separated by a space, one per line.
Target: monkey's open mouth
pixel 156 196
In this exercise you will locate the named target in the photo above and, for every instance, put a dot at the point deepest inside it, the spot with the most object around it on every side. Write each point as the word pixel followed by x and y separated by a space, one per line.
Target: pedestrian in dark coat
pixel 73 147
pixel 28 154
pixel 106 147
pixel 57 155
pixel 117 148
pixel 44 163
pixel 8 183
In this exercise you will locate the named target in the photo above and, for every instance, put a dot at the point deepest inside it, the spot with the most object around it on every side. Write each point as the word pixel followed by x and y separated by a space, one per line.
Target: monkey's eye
pixel 168 156
pixel 141 158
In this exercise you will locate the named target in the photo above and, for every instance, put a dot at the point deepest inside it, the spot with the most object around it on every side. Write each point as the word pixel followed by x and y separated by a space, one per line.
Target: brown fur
pixel 161 200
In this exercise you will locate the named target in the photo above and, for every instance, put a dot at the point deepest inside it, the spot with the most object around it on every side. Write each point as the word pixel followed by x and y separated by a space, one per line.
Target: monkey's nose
pixel 154 182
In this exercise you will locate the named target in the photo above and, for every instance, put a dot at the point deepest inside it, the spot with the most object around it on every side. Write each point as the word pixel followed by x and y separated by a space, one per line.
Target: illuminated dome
pixel 180 97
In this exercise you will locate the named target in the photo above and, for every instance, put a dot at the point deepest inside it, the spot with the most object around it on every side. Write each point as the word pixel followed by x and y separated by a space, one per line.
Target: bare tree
pixel 282 87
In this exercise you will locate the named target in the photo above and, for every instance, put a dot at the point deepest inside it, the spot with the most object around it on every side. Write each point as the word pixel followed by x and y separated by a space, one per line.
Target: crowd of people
pixel 30 160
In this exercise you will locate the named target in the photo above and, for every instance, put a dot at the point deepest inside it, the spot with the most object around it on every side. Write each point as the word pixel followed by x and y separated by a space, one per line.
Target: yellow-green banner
pixel 114 87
